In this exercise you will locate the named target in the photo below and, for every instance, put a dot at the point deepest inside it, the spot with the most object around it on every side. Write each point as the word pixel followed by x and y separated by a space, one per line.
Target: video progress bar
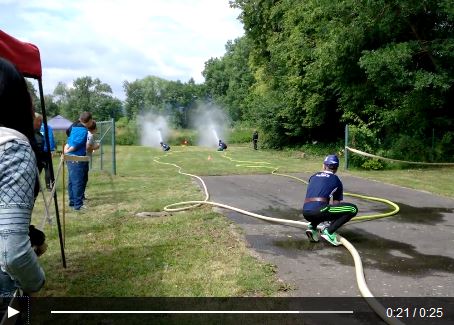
pixel 201 311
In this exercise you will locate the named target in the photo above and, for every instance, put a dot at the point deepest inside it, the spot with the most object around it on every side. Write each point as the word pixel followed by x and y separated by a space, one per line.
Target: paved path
pixel 407 255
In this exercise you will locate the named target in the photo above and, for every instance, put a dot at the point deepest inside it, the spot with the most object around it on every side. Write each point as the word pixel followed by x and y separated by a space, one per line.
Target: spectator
pixel 39 134
pixel 255 139
pixel 19 267
pixel 39 138
pixel 92 145
pixel 78 170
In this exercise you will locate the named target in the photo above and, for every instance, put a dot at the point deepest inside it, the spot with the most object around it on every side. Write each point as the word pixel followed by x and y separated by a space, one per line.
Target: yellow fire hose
pixel 364 290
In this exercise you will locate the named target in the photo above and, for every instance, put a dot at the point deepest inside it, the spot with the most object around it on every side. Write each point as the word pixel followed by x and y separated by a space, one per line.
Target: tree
pixel 87 94
pixel 52 108
pixel 173 99
pixel 35 99
pixel 375 64
pixel 229 78
pixel 135 98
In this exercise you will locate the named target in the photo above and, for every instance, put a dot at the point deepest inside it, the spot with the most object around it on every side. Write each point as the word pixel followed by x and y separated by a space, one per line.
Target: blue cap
pixel 331 160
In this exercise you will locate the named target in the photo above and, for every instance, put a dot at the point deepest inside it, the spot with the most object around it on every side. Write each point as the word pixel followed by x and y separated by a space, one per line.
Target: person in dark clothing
pixel 43 158
pixel 322 187
pixel 164 146
pixel 222 146
pixel 255 139
pixel 39 138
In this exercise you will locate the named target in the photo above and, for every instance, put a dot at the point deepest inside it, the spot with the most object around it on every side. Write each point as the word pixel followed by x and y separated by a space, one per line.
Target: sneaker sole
pixel 311 238
pixel 325 237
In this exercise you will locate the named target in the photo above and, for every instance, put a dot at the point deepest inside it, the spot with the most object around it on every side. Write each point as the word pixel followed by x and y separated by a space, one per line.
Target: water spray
pixel 154 129
pixel 159 135
pixel 215 135
pixel 210 122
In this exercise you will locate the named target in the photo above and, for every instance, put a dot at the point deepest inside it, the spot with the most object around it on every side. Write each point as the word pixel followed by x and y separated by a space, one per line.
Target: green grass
pixel 112 252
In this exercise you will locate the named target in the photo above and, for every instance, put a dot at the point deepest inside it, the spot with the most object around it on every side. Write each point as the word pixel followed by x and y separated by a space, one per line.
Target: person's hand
pixel 67 149
pixel 40 250
pixel 37 240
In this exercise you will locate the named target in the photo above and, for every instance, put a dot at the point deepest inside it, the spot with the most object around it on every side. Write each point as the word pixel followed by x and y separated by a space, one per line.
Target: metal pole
pixel 101 150
pixel 114 162
pixel 346 145
pixel 63 197
pixel 51 169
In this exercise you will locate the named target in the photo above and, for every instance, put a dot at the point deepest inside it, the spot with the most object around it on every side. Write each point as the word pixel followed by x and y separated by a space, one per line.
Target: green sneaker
pixel 312 234
pixel 331 238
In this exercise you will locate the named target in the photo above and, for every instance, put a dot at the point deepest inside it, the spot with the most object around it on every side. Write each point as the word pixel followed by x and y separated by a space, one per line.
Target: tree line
pixel 305 69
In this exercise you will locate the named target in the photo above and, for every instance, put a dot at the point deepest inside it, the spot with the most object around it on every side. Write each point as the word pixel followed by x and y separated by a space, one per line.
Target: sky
pixel 118 40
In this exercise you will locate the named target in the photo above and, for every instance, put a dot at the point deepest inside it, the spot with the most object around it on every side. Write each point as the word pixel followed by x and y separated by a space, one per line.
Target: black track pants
pixel 338 214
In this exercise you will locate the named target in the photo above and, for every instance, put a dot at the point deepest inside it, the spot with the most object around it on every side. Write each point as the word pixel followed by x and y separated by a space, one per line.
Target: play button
pixel 12 312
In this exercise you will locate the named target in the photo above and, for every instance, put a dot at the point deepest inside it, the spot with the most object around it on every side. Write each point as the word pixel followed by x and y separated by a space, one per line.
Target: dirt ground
pixel 410 254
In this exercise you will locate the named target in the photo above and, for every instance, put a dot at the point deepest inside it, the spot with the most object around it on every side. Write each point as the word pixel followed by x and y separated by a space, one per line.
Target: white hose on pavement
pixel 361 281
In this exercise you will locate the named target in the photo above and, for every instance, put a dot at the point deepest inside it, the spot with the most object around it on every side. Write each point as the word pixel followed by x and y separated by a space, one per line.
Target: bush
pixel 241 135
pixel 178 137
pixel 409 148
pixel 126 132
pixel 363 139
pixel 372 164
pixel 323 149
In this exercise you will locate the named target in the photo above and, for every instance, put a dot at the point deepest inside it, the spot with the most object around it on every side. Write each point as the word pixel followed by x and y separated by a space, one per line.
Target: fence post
pixel 101 150
pixel 346 145
pixel 114 161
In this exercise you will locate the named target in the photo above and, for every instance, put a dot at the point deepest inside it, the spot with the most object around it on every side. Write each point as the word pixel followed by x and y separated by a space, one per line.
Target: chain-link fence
pixel 104 158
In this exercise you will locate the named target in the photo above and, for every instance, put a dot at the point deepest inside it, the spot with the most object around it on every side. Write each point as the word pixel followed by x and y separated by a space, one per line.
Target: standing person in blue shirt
pixel 323 186
pixel 78 170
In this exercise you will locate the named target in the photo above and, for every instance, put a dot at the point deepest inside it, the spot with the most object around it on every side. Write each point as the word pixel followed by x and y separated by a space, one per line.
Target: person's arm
pixel 91 148
pixel 338 194
pixel 68 148
pixel 51 140
pixel 91 144
pixel 21 262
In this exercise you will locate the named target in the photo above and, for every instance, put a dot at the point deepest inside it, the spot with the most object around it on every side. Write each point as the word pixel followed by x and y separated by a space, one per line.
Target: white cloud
pixel 122 40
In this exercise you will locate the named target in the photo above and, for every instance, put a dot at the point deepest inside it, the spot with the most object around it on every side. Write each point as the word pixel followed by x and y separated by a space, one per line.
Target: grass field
pixel 112 252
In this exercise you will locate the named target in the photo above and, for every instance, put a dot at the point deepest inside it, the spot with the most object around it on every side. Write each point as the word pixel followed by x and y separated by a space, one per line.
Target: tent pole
pixel 51 169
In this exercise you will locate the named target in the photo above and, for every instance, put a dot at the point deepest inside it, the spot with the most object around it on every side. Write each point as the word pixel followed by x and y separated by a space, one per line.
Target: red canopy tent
pixel 24 55
pixel 26 58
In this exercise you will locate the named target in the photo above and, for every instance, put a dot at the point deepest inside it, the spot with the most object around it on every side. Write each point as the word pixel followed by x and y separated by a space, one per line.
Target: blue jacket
pixel 78 140
pixel 326 185
pixel 51 138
